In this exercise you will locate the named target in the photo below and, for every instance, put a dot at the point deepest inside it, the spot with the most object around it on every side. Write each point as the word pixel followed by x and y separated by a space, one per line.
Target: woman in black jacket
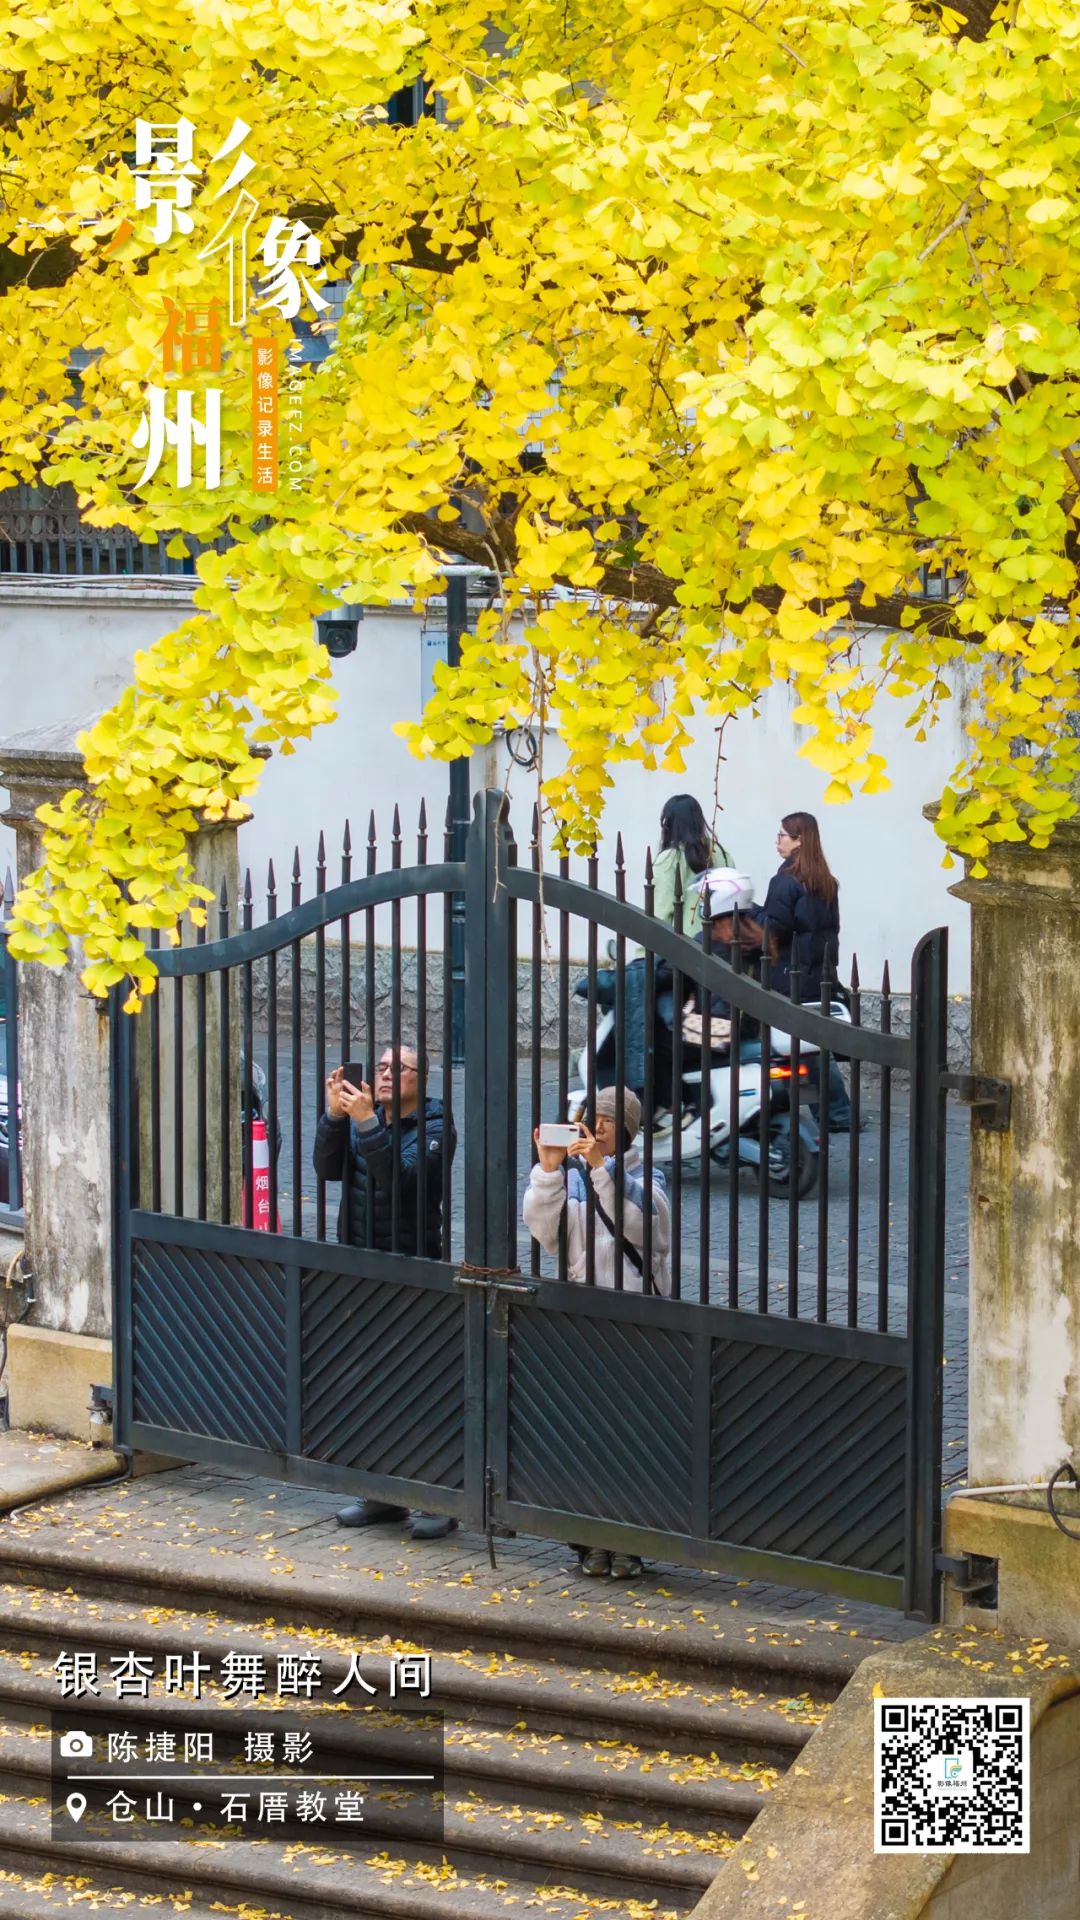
pixel 803 912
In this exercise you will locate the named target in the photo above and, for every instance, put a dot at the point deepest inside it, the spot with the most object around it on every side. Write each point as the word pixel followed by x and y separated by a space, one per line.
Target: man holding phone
pixel 373 1139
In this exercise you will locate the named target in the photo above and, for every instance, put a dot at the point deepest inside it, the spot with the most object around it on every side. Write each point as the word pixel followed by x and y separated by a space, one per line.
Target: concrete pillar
pixel 64 1066
pixel 1025 1183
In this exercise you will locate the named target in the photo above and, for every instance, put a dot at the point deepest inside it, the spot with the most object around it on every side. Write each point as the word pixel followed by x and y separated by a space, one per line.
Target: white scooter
pixel 726 890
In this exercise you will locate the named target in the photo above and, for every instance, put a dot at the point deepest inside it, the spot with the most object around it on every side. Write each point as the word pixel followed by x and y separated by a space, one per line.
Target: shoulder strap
pixel 629 1249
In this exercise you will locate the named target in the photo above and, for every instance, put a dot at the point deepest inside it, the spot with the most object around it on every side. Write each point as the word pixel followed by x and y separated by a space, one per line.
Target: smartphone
pixel 558 1133
pixel 354 1073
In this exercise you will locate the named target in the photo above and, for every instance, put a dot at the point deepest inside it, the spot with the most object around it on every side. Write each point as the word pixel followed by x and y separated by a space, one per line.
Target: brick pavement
pixel 271 1537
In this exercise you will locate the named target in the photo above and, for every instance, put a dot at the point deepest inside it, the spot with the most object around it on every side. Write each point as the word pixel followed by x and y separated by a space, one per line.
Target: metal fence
pixel 43 533
pixel 11 1115
pixel 726 1349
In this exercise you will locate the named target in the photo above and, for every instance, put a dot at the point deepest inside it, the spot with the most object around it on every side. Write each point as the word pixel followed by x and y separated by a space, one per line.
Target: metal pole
pixel 926 1273
pixel 457 620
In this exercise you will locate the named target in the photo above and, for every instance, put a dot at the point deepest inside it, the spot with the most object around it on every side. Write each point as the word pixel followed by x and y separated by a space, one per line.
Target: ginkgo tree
pixel 716 333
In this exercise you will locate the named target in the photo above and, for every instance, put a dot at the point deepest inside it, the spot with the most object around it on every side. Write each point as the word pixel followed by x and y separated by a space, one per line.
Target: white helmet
pixel 723 889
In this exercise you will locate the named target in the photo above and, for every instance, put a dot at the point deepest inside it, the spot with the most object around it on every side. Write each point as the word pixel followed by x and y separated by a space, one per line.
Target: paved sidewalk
pixel 253 1541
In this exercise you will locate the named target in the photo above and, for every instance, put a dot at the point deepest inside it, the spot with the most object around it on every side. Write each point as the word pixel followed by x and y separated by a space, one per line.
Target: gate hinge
pixel 974 1576
pixel 990 1100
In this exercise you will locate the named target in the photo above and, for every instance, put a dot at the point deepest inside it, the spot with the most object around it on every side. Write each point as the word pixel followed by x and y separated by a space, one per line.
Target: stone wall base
pixel 1038 1565
pixel 49 1378
pixel 810 1853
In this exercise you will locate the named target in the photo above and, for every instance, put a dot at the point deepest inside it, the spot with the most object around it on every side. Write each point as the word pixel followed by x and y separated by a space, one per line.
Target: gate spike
pixel 649 904
pixel 421 834
pixel 320 864
pixel 854 973
pixel 248 899
pixel 395 830
pixel 346 840
pixel 271 892
pixel 223 911
pixel 296 877
pixel 371 835
pixel 346 855
pixel 886 987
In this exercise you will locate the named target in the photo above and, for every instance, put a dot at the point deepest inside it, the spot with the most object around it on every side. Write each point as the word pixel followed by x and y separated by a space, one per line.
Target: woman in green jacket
pixel 687 849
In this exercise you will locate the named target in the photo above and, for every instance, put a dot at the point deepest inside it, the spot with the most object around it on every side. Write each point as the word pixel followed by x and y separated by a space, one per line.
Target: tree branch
pixel 648 586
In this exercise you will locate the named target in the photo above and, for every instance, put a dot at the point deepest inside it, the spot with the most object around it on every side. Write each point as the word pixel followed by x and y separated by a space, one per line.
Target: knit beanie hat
pixel 605 1103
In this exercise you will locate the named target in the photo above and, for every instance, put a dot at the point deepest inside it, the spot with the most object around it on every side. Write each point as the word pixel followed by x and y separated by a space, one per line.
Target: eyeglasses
pixel 390 1066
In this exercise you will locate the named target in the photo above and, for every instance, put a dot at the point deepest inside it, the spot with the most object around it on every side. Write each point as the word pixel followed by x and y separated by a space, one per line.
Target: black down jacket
pixel 807 931
pixel 343 1149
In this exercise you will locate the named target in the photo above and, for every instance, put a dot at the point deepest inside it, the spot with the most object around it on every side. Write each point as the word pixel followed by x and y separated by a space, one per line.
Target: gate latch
pixel 990 1100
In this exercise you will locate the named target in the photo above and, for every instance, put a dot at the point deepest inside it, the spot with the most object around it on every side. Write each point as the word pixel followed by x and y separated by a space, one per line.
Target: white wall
pixel 66 648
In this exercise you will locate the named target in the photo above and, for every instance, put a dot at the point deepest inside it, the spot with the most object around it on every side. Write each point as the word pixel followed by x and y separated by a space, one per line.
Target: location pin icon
pixel 76 1805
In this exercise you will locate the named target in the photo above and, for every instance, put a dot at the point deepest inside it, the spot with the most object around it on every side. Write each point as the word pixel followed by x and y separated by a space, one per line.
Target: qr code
pixel 951 1776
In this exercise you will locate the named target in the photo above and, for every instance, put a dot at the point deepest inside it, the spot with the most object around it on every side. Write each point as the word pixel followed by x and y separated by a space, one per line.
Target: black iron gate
pixel 779 1415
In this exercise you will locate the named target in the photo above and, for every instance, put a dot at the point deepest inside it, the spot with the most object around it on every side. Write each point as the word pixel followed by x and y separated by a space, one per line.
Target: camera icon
pixel 76 1746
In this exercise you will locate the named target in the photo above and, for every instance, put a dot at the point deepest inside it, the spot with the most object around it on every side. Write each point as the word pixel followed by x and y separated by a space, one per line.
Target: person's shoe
pixel 431 1526
pixel 626 1566
pixel 369 1513
pixel 595 1563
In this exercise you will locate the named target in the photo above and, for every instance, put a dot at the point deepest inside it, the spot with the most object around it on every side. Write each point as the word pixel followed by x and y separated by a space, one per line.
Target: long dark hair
pixel 808 862
pixel 682 825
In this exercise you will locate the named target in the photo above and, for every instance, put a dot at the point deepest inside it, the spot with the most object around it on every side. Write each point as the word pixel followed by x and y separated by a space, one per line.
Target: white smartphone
pixel 559 1133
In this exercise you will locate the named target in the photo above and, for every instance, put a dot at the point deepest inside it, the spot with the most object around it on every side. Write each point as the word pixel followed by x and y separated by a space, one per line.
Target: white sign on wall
pixel 434 645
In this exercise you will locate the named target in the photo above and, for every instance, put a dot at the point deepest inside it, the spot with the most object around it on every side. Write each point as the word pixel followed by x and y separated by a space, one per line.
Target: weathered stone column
pixel 64 1068
pixel 65 1345
pixel 1024 1335
pixel 1025 1183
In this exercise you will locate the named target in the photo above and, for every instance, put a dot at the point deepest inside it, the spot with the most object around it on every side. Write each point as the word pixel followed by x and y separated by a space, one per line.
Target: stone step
pixel 433 1613
pixel 590 1776
pixel 275 1880
pixel 642 1705
pixel 602 1754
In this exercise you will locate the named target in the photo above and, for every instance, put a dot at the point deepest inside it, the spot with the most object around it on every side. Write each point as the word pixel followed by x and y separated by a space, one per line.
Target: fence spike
pixel 271 892
pixel 346 841
pixel 854 973
pixel 423 815
pixel 395 830
pixel 296 867
pixel 248 900
pixel 422 833
pixel 648 865
pixel 223 911
pixel 536 823
pixel 886 985
pixel 371 835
